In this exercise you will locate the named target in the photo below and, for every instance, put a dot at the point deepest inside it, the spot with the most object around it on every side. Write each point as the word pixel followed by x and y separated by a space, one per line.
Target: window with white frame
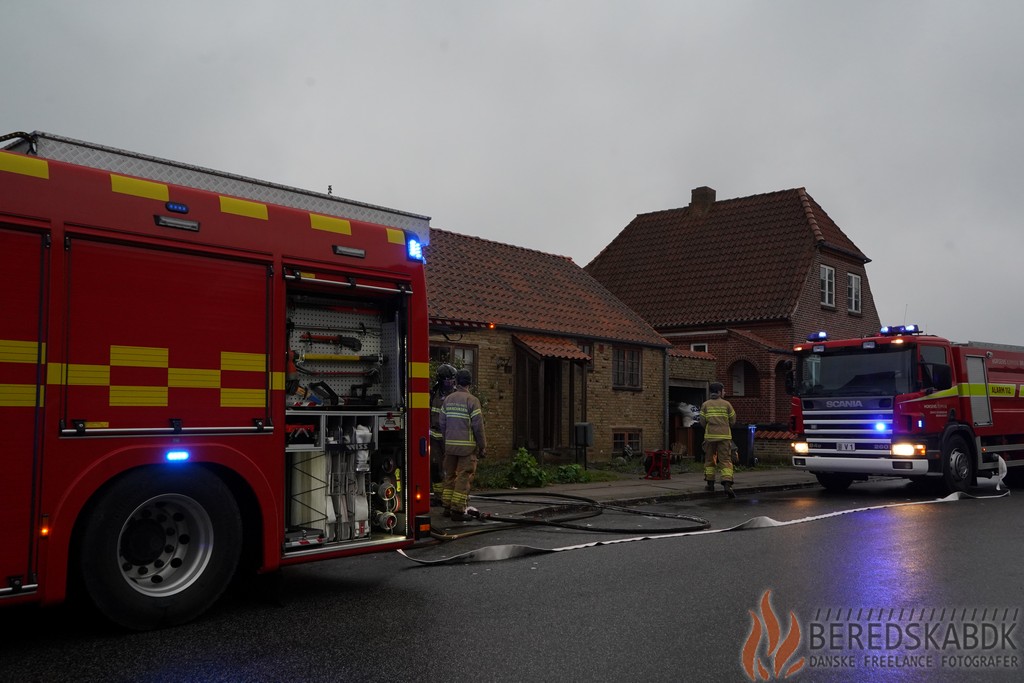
pixel 626 368
pixel 828 286
pixel 702 347
pixel 853 293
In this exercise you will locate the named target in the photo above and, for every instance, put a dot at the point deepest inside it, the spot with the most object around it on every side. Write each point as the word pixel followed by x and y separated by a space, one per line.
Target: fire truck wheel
pixel 834 482
pixel 956 465
pixel 160 547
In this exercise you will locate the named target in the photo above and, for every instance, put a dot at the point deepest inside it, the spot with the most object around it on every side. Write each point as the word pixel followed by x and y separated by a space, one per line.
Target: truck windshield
pixel 883 371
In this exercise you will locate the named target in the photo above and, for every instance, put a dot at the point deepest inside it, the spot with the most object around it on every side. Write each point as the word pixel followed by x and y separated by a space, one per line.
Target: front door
pixel 538 402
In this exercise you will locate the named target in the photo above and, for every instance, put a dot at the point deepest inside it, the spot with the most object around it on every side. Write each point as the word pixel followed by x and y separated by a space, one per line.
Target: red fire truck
pixel 200 374
pixel 905 404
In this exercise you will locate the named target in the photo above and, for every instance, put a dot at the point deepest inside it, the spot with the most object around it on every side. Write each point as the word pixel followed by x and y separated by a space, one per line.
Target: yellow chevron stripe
pixel 30 166
pixel 419 370
pixel 87 375
pixel 193 378
pixel 330 224
pixel 146 189
pixel 12 351
pixel 19 395
pixel 277 381
pixel 419 399
pixel 241 207
pixel 396 236
pixel 138 396
pixel 138 356
pixel 242 398
pixel 244 362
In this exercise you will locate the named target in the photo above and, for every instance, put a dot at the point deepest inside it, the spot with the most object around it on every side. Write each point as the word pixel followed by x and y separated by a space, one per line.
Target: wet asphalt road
pixel 668 609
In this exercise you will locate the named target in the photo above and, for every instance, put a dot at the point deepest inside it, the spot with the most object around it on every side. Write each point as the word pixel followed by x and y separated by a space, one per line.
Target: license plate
pixel 846 446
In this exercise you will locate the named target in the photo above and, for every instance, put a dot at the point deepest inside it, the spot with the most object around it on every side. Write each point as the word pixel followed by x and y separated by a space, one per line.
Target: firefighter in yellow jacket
pixel 462 423
pixel 444 384
pixel 717 417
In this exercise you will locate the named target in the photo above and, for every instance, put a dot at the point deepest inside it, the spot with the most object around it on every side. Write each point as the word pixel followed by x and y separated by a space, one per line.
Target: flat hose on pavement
pixel 585 508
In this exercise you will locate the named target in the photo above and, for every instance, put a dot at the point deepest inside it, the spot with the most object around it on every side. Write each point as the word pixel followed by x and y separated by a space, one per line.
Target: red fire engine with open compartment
pixel 906 404
pixel 200 373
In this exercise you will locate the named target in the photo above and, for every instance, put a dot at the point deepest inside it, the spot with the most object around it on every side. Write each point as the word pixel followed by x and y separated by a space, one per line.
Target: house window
pixel 828 286
pixel 627 436
pixel 626 369
pixel 853 293
pixel 703 348
pixel 460 356
pixel 745 380
pixel 739 387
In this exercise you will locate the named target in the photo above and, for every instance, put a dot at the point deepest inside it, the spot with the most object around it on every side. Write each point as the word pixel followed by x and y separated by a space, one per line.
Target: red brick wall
pixel 608 409
pixel 770 404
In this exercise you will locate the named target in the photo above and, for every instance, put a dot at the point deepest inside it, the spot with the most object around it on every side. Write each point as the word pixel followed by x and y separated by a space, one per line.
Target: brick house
pixel 743 279
pixel 548 347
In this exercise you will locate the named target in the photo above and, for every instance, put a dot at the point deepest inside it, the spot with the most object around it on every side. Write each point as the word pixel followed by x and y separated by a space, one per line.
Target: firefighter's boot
pixel 709 485
pixel 727 485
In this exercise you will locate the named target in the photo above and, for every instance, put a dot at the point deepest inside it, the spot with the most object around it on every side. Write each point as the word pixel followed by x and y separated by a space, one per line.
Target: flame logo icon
pixel 779 649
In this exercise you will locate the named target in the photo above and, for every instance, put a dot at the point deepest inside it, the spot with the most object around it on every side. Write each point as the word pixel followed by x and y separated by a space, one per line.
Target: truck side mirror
pixel 942 377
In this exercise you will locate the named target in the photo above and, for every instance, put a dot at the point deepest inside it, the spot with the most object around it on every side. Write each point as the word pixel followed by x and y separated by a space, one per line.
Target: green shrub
pixel 525 472
pixel 571 474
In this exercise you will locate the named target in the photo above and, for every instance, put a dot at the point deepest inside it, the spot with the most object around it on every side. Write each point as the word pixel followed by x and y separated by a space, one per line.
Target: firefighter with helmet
pixel 717 416
pixel 462 424
pixel 444 384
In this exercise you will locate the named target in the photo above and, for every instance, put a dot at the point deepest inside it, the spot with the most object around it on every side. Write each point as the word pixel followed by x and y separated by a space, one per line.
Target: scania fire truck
pixel 907 404
pixel 200 374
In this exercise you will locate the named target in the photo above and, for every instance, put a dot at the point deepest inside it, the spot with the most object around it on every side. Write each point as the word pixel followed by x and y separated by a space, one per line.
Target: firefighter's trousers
pixel 458 478
pixel 718 458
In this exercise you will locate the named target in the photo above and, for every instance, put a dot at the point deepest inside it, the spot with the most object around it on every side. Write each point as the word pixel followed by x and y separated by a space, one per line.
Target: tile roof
pixel 740 260
pixel 552 347
pixel 677 352
pixel 473 281
pixel 759 340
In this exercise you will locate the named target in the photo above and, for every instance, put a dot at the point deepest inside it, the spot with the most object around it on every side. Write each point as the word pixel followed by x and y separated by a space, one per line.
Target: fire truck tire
pixel 957 472
pixel 834 482
pixel 160 547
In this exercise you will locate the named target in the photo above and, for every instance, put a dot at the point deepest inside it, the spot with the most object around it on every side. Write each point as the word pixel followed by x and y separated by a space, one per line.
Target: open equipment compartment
pixel 345 420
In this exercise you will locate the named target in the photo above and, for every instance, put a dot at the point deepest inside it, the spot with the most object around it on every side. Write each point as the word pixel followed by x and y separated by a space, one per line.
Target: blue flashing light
pixel 879 426
pixel 415 249
pixel 176 207
pixel 893 331
pixel 177 456
pixel 817 336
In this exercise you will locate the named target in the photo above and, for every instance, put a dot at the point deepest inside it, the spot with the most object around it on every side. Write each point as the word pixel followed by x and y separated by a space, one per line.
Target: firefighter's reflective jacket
pixel 717 416
pixel 462 423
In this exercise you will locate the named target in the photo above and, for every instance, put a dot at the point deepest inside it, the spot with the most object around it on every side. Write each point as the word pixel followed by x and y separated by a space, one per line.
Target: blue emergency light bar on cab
pixel 888 331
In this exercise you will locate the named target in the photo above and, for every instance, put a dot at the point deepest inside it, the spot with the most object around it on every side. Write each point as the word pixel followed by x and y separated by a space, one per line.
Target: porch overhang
pixel 551 347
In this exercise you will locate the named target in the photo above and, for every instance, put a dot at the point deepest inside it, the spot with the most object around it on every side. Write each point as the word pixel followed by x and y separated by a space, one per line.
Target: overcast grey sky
pixel 550 125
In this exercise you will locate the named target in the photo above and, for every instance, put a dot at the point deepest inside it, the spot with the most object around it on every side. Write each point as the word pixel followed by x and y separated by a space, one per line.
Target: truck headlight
pixel 800 447
pixel 907 450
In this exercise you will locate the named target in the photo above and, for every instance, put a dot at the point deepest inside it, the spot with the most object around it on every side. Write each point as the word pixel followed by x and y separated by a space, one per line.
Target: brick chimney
pixel 701 199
